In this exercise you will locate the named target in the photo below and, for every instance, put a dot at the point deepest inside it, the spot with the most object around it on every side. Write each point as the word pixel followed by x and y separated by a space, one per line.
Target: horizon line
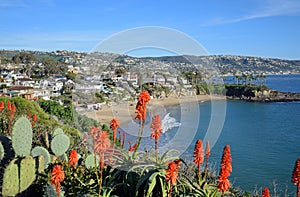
pixel 149 56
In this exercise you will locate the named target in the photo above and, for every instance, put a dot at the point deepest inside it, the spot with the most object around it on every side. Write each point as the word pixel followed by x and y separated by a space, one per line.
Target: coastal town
pixel 90 80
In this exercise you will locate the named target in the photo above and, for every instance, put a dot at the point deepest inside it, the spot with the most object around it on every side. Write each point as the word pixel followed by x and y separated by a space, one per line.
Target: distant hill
pixel 224 63
pixel 230 63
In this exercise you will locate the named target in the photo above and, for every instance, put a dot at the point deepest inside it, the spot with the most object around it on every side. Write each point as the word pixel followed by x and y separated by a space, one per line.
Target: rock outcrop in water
pixel 276 96
pixel 259 94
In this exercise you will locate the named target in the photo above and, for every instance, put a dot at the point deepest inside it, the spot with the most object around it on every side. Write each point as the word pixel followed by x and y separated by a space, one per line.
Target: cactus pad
pixel 60 144
pixel 39 150
pixel 22 137
pixel 10 185
pixel 58 131
pixel 90 161
pixel 27 173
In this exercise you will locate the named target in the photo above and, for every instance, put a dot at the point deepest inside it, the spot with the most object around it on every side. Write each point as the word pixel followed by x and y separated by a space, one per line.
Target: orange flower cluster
pixel 296 173
pixel 1 106
pixel 94 131
pixel 11 108
pixel 266 192
pixel 207 150
pixel 296 176
pixel 132 148
pixel 101 142
pixel 198 153
pixel 172 172
pixel 73 158
pixel 141 106
pixel 33 118
pixel 101 145
pixel 207 153
pixel 58 176
pixel 225 171
pixel 114 124
pixel 156 127
pixel 8 106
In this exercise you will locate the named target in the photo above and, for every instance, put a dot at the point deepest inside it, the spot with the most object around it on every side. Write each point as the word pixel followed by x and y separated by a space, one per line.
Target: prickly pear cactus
pixel 18 176
pixel 22 137
pixel 90 161
pixel 1 151
pixel 27 173
pixel 60 144
pixel 58 131
pixel 39 150
pixel 10 183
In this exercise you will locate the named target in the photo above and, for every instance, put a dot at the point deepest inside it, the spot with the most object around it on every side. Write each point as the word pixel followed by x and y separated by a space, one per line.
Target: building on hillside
pixel 23 91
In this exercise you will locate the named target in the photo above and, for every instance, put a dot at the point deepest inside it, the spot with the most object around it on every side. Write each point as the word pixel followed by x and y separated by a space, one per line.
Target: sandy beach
pixel 125 112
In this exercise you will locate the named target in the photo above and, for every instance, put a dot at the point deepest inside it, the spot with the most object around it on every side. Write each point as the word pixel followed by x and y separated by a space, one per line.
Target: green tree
pixel 28 60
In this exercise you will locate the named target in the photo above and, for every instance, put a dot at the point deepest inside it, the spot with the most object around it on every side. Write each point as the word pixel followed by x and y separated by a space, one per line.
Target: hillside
pixel 225 64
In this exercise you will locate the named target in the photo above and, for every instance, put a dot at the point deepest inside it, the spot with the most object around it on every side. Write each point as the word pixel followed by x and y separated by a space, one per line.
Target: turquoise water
pixel 264 138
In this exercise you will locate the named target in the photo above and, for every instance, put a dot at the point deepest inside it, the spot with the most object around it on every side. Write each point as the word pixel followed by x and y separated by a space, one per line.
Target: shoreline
pixel 125 112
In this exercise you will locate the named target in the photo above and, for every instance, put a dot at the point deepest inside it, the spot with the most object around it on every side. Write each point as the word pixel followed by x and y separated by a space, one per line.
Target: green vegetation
pixel 54 168
pixel 46 122
pixel 234 90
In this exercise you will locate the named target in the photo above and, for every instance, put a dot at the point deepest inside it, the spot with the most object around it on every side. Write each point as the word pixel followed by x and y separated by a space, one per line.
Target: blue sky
pixel 266 28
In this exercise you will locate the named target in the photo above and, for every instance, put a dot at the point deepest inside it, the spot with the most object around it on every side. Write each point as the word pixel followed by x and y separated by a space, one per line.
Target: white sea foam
pixel 169 122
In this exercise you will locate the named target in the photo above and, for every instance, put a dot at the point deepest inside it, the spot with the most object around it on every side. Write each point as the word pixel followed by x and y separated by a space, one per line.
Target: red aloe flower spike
pixel 198 153
pixel 207 154
pixel 296 176
pixel 58 176
pixel 34 118
pixel 12 114
pixel 141 109
pixel 207 149
pixel 266 192
pixel 172 174
pixel 8 105
pixel 123 140
pixel 13 108
pixel 144 97
pixel 156 131
pixel 101 144
pixel 1 106
pixel 132 148
pixel 73 158
pixel 94 131
pixel 226 169
pixel 114 124
pixel 198 158
pixel 156 127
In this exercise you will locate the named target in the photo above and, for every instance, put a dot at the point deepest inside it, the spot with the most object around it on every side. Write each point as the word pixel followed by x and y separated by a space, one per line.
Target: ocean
pixel 264 137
